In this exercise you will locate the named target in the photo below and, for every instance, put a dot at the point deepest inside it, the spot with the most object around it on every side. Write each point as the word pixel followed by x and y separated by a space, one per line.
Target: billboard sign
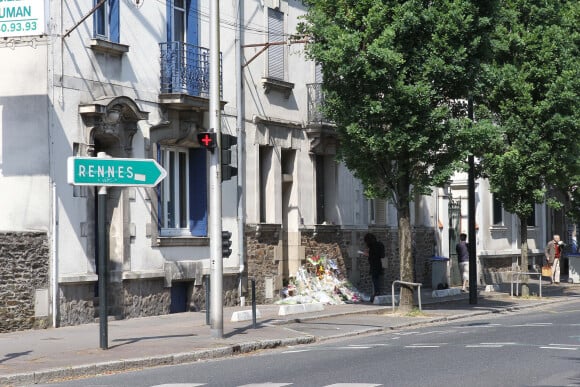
pixel 22 18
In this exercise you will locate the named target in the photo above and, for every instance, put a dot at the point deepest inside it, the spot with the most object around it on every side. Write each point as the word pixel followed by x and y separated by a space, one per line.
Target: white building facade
pixel 130 78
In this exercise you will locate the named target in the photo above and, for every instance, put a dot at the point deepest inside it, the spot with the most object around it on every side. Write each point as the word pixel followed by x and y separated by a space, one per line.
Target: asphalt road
pixel 539 347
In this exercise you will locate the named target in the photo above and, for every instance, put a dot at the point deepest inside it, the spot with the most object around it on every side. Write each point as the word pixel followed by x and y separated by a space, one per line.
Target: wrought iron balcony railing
pixel 315 102
pixel 185 69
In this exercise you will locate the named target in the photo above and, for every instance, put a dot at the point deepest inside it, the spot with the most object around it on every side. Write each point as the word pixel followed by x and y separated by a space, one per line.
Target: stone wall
pixel 24 266
pixel 264 262
pixel 341 245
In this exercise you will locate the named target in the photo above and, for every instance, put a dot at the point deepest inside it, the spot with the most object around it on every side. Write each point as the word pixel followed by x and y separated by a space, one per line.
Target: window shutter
pixel 275 53
pixel 381 211
pixel 169 19
pixel 198 192
pixel 192 22
pixel 114 21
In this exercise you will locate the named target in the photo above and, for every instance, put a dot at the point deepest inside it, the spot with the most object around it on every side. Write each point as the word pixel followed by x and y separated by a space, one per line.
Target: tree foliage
pixel 395 75
pixel 532 90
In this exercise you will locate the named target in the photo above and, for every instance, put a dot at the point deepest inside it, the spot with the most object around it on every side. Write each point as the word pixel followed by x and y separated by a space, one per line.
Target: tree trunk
pixel 524 256
pixel 405 248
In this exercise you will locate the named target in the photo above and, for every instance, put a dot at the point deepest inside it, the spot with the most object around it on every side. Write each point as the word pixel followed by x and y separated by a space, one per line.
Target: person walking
pixel 553 253
pixel 375 251
pixel 462 249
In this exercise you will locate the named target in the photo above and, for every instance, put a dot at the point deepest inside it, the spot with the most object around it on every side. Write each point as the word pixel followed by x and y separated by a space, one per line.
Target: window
pixel 532 217
pixel 106 21
pixel 183 193
pixel 497 212
pixel 183 21
pixel 275 52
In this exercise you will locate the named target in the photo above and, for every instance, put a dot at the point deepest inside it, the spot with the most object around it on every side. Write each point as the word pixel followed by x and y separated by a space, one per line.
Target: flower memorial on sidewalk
pixel 320 280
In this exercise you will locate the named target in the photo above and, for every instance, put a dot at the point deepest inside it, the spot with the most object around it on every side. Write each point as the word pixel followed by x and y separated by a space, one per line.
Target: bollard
pixel 254 303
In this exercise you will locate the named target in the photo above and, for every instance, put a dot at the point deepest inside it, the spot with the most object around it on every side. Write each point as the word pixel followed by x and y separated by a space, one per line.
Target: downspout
pixel 241 148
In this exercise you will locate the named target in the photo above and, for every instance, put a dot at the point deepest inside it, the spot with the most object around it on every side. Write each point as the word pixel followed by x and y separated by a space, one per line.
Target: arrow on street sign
pixel 114 172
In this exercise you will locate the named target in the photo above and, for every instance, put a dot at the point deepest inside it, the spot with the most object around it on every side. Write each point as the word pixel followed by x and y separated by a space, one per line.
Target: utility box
pixel 439 273
pixel 574 268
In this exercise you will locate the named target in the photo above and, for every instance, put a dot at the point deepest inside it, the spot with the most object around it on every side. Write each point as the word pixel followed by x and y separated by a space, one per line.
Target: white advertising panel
pixel 22 17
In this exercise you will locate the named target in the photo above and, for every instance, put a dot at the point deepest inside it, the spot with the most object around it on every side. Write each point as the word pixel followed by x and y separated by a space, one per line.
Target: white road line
pixel 484 346
pixel 268 384
pixel 531 325
pixel 564 348
pixel 498 343
pixel 566 345
pixel 353 385
pixel 297 351
pixel 422 346
pixel 353 347
pixel 180 385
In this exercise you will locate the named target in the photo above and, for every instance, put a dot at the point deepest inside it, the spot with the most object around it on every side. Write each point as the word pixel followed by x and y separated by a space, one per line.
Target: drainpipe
pixel 241 148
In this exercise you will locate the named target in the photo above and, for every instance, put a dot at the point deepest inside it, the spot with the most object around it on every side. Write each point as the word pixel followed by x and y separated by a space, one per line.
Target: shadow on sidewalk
pixel 133 340
pixel 10 356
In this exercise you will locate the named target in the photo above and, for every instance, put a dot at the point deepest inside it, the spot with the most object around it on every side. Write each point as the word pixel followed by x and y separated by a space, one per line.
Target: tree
pixel 395 74
pixel 532 91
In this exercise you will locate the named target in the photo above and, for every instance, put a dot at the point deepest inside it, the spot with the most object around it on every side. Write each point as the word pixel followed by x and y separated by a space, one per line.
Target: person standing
pixel 553 253
pixel 462 249
pixel 374 252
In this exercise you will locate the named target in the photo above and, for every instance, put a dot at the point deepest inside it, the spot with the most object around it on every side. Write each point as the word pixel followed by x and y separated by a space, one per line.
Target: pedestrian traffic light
pixel 226 244
pixel 227 141
pixel 207 140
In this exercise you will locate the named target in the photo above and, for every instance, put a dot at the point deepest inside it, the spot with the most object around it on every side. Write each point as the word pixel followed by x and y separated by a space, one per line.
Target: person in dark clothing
pixel 374 252
pixel 462 249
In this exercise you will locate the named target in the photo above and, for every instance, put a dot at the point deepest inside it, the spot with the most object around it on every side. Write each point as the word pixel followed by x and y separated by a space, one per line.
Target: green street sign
pixel 114 172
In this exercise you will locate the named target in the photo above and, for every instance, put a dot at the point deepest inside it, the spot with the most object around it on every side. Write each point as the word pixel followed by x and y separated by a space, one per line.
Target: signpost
pixel 106 172
pixel 114 172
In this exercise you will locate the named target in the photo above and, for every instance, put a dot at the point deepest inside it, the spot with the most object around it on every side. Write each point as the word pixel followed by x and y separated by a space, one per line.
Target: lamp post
pixel 471 218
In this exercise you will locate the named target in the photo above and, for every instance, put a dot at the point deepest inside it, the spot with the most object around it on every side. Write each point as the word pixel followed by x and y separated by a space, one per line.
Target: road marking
pixel 484 346
pixel 297 351
pixel 353 385
pixel 531 325
pixel 498 343
pixel 267 384
pixel 564 348
pixel 422 346
pixel 180 385
pixel 354 347
pixel 566 345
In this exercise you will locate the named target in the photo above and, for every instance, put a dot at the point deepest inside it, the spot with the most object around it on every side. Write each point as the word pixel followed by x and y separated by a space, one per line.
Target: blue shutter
pixel 192 33
pixel 169 16
pixel 198 192
pixel 114 21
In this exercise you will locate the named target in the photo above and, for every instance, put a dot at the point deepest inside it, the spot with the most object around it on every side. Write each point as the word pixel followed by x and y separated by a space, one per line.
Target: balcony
pixel 320 130
pixel 185 76
pixel 315 102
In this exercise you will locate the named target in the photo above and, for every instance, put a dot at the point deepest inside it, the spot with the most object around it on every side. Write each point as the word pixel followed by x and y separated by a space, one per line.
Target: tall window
pixel 183 193
pixel 532 218
pixel 275 52
pixel 106 21
pixel 497 212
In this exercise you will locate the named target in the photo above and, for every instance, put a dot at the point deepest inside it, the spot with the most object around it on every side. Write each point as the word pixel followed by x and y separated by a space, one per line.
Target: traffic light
pixel 227 142
pixel 226 244
pixel 207 140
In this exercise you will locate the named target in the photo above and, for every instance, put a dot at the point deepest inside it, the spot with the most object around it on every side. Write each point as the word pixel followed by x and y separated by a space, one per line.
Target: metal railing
pixel 416 284
pixel 315 102
pixel 185 69
pixel 517 275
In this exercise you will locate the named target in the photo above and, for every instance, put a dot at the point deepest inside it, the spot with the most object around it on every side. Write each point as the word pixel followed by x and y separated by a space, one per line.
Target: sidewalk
pixel 42 356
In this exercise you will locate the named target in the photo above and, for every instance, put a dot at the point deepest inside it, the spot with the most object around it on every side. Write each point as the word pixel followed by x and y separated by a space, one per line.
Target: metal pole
pixel 207 300
pixel 471 219
pixel 102 257
pixel 216 262
pixel 254 303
